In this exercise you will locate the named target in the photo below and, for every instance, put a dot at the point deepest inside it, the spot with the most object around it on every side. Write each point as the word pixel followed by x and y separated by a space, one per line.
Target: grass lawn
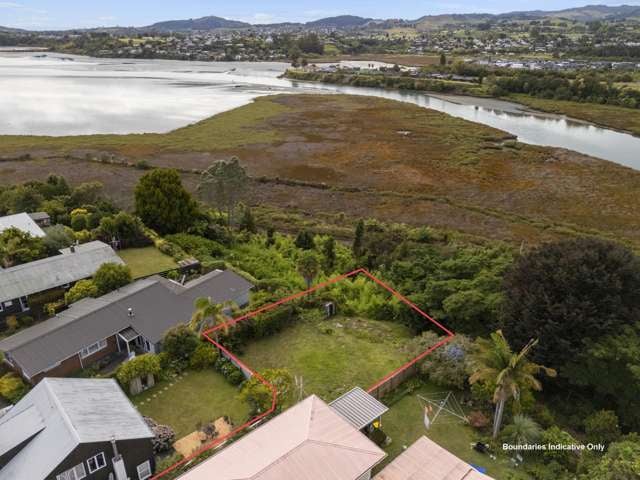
pixel 197 397
pixel 357 353
pixel 404 424
pixel 146 261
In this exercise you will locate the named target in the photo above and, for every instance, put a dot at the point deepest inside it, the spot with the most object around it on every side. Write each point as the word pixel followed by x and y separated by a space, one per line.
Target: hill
pixel 204 23
pixel 342 21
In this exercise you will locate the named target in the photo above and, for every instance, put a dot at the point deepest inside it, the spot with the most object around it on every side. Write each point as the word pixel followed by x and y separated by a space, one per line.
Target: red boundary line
pixel 218 441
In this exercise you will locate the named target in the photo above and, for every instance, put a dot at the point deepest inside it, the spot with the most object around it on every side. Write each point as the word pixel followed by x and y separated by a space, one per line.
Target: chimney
pixel 130 312
pixel 118 463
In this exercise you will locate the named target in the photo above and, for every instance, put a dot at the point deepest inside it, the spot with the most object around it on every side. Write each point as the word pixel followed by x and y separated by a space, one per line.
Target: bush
pixel 602 427
pixel 111 276
pixel 445 366
pixel 205 355
pixel 556 436
pixel 147 364
pixel 12 387
pixel 179 343
pixel 232 373
pixel 82 289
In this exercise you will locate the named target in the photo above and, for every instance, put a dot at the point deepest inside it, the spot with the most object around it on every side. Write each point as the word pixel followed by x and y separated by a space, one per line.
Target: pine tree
pixel 358 240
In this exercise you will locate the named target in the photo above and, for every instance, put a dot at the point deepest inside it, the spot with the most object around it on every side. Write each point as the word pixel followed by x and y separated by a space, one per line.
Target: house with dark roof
pixel 73 429
pixel 78 262
pixel 130 320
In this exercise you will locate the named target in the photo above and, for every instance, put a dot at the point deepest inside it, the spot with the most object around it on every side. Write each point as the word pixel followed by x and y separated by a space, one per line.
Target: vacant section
pixel 332 356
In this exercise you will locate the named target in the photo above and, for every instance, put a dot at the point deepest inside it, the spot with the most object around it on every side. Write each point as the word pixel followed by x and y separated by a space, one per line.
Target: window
pixel 76 473
pixel 96 463
pixel 144 470
pixel 8 303
pixel 91 349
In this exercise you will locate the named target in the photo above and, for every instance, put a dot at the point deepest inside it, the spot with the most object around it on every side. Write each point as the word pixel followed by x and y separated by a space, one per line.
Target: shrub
pixel 259 396
pixel 205 355
pixel 138 367
pixel 602 427
pixel 179 343
pixel 12 323
pixel 232 373
pixel 111 276
pixel 446 366
pixel 82 289
pixel 12 387
pixel 556 436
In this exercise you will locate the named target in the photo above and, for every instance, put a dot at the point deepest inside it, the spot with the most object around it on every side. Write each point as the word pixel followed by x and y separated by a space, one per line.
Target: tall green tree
pixel 308 266
pixel 329 254
pixel 163 203
pixel 223 184
pixel 18 247
pixel 494 363
pixel 570 293
pixel 358 241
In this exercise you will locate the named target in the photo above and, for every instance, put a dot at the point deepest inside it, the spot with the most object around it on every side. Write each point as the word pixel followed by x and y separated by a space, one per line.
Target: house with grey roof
pixel 23 222
pixel 73 429
pixel 130 320
pixel 78 262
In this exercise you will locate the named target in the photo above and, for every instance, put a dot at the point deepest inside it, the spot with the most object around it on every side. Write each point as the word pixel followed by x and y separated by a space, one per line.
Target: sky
pixel 63 14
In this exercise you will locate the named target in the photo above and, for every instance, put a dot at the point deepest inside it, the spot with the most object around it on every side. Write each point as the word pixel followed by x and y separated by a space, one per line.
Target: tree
pixel 304 240
pixel 443 59
pixel 85 194
pixel 208 314
pixel 58 237
pixel 162 202
pixel 247 222
pixel 17 247
pixel 260 397
pixel 126 228
pixel 358 241
pixel 621 462
pixel 494 363
pixel 138 367
pixel 570 293
pixel 111 276
pixel 82 289
pixel 523 430
pixel 25 198
pixel 224 184
pixel 445 366
pixel 179 343
pixel 308 266
pixel 329 254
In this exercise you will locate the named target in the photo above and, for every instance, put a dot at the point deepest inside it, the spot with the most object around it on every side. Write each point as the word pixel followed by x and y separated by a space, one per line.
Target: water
pixel 69 95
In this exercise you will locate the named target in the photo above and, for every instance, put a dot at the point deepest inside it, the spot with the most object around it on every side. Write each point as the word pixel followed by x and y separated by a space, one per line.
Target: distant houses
pixel 78 262
pixel 122 323
pixel 72 429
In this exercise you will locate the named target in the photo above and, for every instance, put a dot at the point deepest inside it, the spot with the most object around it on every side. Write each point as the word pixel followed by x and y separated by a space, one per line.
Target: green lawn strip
pixel 146 261
pixel 355 354
pixel 227 130
pixel 198 397
pixel 404 423
pixel 612 116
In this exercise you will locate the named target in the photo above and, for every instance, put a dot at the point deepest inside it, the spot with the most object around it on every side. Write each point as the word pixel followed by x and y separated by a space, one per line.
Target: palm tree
pixel 523 430
pixel 208 314
pixel 494 362
pixel 308 266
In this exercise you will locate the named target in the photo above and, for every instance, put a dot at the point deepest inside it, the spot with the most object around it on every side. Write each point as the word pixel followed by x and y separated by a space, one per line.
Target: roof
pixel 156 304
pixel 358 407
pixel 426 460
pixel 21 221
pixel 39 216
pixel 309 441
pixel 47 273
pixel 58 415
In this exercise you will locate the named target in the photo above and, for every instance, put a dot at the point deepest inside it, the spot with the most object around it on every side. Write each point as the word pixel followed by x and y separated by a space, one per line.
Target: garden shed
pixel 359 408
